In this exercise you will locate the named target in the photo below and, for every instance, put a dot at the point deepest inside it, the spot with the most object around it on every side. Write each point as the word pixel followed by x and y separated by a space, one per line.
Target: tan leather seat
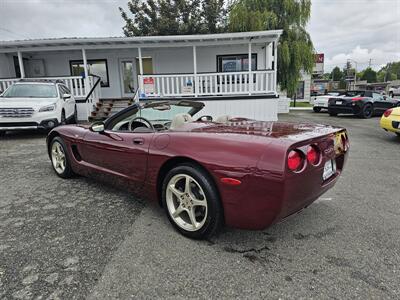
pixel 179 120
pixel 223 119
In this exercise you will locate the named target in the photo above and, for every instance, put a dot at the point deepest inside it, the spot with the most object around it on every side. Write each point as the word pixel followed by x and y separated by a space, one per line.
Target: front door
pixel 128 78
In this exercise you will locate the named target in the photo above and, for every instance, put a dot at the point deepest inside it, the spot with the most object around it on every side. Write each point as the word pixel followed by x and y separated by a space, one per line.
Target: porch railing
pixel 207 84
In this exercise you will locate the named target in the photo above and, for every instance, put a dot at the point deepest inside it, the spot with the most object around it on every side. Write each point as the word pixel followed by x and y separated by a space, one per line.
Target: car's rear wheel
pixel 367 111
pixel 317 109
pixel 332 114
pixel 74 118
pixel 191 201
pixel 63 119
pixel 59 158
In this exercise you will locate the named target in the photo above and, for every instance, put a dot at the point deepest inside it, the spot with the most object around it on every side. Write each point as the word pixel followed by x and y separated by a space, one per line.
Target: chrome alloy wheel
pixel 186 202
pixel 58 157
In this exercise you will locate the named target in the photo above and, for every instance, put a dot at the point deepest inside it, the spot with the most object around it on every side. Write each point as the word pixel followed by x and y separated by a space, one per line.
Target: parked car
pixel 235 171
pixel 364 104
pixel 321 102
pixel 394 91
pixel 36 105
pixel 390 120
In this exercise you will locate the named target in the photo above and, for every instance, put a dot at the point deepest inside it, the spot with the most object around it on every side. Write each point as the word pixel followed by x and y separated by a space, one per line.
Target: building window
pixel 96 67
pixel 236 63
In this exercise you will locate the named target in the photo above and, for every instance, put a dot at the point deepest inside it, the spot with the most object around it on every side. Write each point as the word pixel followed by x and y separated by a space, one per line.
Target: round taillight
pixel 313 155
pixel 295 160
pixel 388 112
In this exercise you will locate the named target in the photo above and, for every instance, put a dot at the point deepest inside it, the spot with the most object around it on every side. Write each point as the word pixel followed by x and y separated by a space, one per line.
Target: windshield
pixel 31 91
pixel 163 112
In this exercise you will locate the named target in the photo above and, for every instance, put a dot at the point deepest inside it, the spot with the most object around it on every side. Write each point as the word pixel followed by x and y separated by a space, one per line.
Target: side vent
pixel 76 153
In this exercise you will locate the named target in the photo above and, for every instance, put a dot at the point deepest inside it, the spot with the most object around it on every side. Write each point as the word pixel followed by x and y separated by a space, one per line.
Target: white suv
pixel 394 91
pixel 36 105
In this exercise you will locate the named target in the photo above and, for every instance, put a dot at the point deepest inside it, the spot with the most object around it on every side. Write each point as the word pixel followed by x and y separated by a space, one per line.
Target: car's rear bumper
pixel 345 109
pixel 263 201
pixel 45 124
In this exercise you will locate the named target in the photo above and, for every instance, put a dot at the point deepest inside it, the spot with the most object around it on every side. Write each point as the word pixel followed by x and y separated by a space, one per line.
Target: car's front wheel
pixel 59 158
pixel 317 109
pixel 191 201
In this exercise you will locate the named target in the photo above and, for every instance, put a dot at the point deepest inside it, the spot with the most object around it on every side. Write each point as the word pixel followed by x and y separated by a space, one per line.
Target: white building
pixel 213 68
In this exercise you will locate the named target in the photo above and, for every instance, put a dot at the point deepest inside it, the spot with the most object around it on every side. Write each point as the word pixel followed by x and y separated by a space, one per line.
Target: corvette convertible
pixel 205 173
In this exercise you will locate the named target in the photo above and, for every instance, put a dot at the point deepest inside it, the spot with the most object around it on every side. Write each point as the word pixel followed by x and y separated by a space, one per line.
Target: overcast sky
pixel 342 29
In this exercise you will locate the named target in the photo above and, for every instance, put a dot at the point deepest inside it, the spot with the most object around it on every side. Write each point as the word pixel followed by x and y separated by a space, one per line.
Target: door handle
pixel 138 141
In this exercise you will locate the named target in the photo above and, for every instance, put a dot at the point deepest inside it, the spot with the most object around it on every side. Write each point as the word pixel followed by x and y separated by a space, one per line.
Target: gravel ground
pixel 74 239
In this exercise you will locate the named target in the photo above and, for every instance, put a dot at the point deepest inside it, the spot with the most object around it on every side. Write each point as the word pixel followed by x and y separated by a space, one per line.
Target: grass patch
pixel 300 104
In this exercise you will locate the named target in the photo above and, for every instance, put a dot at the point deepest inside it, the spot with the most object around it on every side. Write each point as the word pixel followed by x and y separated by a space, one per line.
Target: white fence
pixel 208 84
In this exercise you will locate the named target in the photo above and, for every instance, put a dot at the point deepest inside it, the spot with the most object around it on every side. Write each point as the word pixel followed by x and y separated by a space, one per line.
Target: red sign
pixel 319 58
pixel 148 80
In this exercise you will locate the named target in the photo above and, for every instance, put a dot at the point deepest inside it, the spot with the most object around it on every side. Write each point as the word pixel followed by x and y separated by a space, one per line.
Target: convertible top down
pixel 205 173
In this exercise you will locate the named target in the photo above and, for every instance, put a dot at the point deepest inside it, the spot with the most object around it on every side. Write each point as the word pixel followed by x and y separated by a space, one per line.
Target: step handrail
pixel 93 87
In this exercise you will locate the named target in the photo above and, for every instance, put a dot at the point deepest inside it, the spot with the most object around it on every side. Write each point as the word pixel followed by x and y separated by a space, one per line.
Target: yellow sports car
pixel 390 120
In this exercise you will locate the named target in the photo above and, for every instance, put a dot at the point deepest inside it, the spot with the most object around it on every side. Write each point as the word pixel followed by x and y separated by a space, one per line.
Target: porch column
pixel 21 64
pixel 85 69
pixel 141 89
pixel 275 64
pixel 250 74
pixel 196 83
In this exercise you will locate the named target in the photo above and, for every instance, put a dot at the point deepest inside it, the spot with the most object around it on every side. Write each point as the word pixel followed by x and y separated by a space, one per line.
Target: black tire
pixel 74 118
pixel 2 133
pixel 63 119
pixel 332 114
pixel 317 109
pixel 214 218
pixel 397 133
pixel 67 173
pixel 391 94
pixel 367 111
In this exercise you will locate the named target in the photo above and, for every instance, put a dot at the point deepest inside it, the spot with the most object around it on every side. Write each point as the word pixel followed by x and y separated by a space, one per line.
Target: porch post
pixel 275 64
pixel 85 68
pixel 196 86
pixel 250 74
pixel 21 64
pixel 140 71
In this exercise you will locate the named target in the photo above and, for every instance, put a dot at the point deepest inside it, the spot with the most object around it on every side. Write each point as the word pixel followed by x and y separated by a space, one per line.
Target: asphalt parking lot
pixel 74 239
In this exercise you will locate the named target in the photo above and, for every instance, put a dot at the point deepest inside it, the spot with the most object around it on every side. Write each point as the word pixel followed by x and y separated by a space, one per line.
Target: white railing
pixel 208 84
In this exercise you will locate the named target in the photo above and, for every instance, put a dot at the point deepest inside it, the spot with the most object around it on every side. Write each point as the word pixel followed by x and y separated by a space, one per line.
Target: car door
pixel 122 154
pixel 381 103
pixel 69 103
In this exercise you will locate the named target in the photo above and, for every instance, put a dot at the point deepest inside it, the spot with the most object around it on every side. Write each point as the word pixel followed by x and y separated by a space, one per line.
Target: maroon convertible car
pixel 239 172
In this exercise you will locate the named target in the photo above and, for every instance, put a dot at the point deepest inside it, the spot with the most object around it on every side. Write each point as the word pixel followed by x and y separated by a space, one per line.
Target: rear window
pixel 31 91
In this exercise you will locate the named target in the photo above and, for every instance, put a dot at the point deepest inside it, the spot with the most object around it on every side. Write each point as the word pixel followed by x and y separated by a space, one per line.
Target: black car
pixel 364 104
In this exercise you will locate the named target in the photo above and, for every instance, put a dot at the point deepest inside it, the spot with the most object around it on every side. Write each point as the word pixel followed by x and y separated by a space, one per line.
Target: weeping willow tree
pixel 295 49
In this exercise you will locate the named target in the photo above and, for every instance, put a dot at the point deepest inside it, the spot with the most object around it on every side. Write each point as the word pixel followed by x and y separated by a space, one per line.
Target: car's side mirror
pixel 97 127
pixel 66 96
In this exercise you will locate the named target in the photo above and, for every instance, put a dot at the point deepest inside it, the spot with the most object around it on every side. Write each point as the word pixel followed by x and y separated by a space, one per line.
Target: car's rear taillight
pixel 295 160
pixel 313 155
pixel 356 99
pixel 388 112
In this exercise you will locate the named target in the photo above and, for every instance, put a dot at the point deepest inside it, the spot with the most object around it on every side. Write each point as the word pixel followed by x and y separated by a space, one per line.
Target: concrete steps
pixel 107 107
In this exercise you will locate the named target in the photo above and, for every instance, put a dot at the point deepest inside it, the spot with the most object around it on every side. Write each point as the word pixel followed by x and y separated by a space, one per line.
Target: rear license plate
pixel 329 169
pixel 338 102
